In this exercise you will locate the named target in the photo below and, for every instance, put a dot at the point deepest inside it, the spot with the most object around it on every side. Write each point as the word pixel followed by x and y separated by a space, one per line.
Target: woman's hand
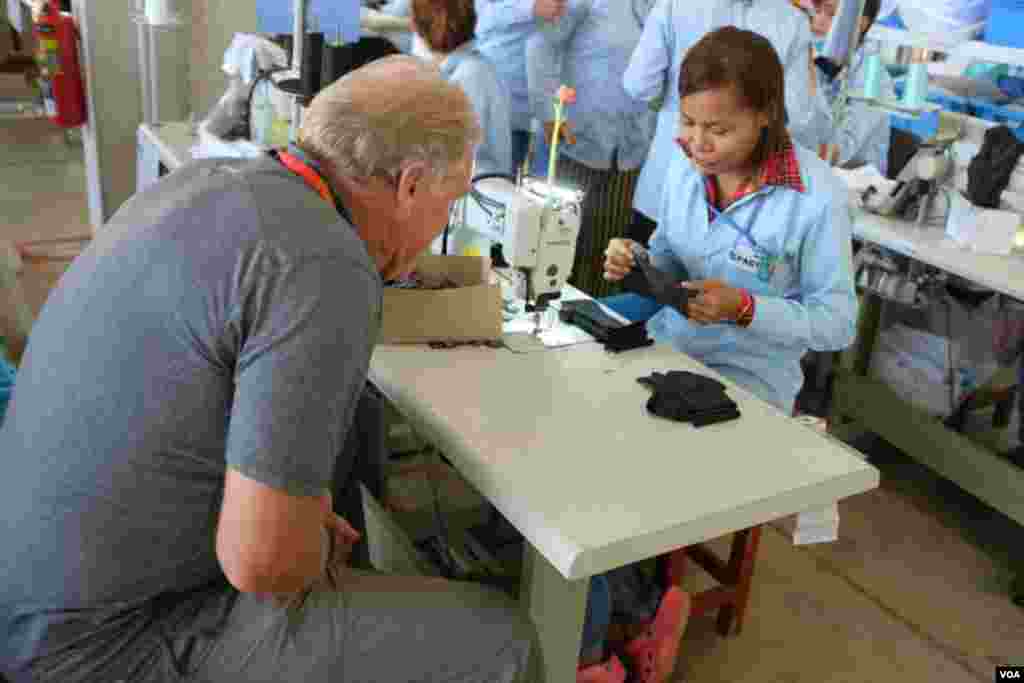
pixel 713 302
pixel 550 10
pixel 618 259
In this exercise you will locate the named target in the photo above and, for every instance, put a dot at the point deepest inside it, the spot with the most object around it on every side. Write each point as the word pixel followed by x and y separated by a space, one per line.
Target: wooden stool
pixel 734 577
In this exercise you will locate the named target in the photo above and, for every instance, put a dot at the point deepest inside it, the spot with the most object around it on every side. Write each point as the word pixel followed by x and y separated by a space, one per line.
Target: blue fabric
pixel 502 28
pixel 676 25
pixel 804 300
pixel 598 619
pixel 584 49
pixel 632 307
pixel 479 79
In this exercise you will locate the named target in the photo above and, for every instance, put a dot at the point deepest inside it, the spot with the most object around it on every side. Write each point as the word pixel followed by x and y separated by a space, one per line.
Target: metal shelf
pixel 971 49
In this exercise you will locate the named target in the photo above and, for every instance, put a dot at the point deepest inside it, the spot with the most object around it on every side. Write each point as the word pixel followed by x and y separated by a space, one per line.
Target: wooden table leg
pixel 741 572
pixel 558 608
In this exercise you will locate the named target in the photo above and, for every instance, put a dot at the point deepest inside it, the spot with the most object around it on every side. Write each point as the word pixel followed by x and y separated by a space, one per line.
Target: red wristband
pixel 746 315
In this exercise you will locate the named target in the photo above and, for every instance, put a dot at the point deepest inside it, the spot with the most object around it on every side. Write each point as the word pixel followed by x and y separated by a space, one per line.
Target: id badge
pixel 752 259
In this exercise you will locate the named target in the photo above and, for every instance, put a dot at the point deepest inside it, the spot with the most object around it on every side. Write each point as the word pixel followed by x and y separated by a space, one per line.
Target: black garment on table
pixel 989 172
pixel 689 397
pixel 589 317
pixel 647 281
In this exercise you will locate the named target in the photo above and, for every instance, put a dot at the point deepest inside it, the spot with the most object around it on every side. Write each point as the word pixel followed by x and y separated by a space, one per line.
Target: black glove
pixel 647 281
pixel 589 317
pixel 989 172
pixel 688 397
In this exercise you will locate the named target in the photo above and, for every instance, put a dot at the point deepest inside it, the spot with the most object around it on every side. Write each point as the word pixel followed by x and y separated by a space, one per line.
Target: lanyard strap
pixel 747 231
pixel 296 162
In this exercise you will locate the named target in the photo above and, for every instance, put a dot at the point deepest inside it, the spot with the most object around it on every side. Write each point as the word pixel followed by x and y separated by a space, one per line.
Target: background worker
pixel 607 134
pixel 503 28
pixel 863 137
pixel 446 28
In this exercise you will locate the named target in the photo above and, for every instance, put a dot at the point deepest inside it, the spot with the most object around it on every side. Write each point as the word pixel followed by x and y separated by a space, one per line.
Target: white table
pixel 867 403
pixel 559 441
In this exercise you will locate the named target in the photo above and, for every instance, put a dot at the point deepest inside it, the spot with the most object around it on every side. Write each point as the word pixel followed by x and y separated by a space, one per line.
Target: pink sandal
pixel 611 671
pixel 653 653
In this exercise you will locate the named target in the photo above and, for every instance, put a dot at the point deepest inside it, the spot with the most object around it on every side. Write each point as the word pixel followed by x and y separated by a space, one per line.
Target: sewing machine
pixel 530 229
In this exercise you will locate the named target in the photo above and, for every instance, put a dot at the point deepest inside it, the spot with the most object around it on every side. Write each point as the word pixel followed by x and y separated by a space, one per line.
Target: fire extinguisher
pixel 59 69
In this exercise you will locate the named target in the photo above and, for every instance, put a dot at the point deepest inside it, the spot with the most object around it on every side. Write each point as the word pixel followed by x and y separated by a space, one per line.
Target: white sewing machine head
pixel 532 228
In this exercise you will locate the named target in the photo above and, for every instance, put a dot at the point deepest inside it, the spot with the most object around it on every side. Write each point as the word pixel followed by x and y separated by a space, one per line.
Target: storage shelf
pixel 971 49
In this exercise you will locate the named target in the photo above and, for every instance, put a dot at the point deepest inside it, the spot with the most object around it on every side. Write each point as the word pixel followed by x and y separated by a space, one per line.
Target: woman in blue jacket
pixel 758 229
pixel 672 28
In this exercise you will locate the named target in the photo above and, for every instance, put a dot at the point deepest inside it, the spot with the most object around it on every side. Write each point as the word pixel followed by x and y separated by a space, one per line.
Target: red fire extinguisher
pixel 60 72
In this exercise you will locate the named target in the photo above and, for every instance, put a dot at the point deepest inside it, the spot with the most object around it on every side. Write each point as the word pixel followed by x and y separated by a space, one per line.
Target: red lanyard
pixel 310 176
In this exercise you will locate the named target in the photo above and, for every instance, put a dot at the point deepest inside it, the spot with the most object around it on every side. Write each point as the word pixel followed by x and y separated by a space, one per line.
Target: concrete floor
pixel 915 590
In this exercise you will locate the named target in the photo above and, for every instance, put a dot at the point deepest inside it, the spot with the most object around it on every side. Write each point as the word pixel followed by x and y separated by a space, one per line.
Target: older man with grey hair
pixel 170 446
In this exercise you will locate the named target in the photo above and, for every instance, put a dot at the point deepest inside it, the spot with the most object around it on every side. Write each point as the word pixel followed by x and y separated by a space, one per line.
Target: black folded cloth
pixel 591 318
pixel 647 281
pixel 689 397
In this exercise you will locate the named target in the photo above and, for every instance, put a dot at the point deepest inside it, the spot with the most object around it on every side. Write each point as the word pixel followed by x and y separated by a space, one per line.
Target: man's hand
pixel 714 302
pixel 344 537
pixel 549 10
pixel 564 132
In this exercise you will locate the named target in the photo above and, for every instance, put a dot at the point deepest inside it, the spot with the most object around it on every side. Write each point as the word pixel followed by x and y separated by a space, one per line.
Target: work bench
pixel 863 403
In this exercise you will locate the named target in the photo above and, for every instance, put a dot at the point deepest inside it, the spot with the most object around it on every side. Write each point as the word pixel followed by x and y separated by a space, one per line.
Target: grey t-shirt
pixel 225 316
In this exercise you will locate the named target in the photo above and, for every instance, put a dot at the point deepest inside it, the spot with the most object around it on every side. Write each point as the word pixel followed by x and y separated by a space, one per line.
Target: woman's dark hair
pixel 445 25
pixel 746 62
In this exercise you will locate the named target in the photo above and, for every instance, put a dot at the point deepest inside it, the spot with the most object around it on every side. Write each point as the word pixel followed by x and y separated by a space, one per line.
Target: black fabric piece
pixel 647 281
pixel 989 172
pixel 641 229
pixel 689 397
pixel 829 68
pixel 591 318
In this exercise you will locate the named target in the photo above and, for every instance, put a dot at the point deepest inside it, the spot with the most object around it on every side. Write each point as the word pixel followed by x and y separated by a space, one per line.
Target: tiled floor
pixel 915 590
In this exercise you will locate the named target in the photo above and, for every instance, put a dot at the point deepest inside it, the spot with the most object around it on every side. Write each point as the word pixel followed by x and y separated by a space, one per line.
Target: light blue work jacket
pixel 676 25
pixel 502 29
pixel 796 262
pixel 480 81
pixel 588 49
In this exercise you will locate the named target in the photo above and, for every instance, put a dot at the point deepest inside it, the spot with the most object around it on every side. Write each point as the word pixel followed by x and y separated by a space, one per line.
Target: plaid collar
pixel 780 170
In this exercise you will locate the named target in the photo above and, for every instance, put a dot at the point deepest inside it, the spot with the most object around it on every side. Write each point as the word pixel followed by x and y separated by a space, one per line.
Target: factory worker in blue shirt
pixel 671 29
pixel 863 137
pixel 503 27
pixel 446 28
pixel 585 49
pixel 607 133
pixel 757 226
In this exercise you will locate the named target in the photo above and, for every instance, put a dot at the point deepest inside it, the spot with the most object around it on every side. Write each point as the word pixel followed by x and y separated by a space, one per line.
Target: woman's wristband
pixel 746 315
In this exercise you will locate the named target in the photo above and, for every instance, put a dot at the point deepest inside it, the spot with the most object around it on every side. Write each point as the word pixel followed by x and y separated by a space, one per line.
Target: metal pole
pixel 298 43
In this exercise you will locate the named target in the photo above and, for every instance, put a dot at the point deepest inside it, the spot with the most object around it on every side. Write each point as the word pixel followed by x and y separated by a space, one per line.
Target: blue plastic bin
pixel 999 114
pixel 1005 25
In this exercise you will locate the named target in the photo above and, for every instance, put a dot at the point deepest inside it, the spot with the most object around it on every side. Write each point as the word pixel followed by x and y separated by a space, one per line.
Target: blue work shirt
pixel 672 28
pixel 806 302
pixel 481 83
pixel 864 136
pixel 586 49
pixel 502 29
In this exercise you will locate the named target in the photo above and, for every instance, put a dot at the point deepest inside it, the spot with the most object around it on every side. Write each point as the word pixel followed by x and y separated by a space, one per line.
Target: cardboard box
pixel 469 312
